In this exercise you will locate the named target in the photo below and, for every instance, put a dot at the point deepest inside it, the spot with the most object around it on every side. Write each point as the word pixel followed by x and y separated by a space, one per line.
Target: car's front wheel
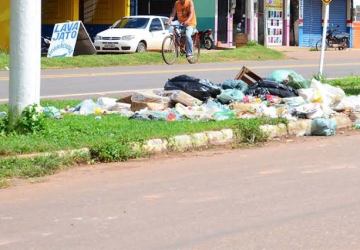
pixel 141 48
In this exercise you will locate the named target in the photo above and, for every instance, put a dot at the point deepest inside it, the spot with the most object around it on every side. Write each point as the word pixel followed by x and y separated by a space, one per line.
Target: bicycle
pixel 173 46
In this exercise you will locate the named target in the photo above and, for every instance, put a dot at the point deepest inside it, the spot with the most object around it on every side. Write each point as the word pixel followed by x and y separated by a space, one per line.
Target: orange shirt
pixel 183 12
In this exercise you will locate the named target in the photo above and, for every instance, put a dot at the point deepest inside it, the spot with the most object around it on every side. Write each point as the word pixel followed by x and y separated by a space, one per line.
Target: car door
pixel 157 34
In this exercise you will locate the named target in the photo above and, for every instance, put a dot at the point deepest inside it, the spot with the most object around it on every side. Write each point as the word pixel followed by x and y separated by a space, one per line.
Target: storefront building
pixel 356 24
pixel 4 25
pixel 311 15
pixel 96 15
pixel 205 10
pixel 275 22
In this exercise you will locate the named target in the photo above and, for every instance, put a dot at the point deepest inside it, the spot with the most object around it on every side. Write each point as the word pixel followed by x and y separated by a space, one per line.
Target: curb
pixel 60 153
pixel 182 143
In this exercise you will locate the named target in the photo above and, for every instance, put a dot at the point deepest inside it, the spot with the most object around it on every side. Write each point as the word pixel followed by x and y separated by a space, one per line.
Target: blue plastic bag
pixel 323 127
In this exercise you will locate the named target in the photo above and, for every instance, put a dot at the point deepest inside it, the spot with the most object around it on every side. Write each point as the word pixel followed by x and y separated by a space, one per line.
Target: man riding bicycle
pixel 185 12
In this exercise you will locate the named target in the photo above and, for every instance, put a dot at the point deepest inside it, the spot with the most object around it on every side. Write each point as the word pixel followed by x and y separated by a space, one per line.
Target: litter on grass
pixel 284 94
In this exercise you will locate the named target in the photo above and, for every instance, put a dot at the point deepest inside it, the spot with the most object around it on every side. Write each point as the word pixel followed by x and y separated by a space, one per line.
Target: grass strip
pixel 249 52
pixel 109 139
pixel 36 167
pixel 350 84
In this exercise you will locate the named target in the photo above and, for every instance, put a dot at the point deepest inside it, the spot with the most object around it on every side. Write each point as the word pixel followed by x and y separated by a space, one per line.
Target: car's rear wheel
pixel 141 48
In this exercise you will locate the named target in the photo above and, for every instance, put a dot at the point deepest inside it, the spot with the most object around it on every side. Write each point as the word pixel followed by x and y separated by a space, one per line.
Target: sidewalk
pixel 298 53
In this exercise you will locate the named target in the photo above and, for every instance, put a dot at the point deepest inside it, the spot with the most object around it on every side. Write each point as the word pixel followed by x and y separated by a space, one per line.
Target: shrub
pixel 113 151
pixel 249 131
pixel 32 120
pixel 3 125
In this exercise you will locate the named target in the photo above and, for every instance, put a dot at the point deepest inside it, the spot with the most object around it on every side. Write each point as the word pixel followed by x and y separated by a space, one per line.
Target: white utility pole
pixel 323 44
pixel 287 22
pixel 251 20
pixel 25 49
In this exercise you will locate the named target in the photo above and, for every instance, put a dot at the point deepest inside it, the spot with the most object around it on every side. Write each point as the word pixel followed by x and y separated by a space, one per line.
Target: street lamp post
pixel 25 47
pixel 323 43
pixel 251 20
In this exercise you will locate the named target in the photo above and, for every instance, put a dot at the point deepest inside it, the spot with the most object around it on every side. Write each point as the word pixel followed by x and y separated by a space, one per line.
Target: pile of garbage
pixel 283 94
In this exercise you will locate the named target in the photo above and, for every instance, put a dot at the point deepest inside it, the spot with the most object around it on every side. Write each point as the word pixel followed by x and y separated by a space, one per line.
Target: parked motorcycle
pixel 206 39
pixel 335 39
pixel 45 44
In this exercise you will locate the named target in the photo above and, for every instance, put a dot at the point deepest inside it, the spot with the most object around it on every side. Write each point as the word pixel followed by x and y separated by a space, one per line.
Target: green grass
pixel 109 139
pixel 4 60
pixel 36 167
pixel 351 84
pixel 250 52
pixel 73 132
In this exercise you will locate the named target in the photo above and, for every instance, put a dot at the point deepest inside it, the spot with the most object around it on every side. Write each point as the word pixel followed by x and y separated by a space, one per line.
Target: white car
pixel 133 34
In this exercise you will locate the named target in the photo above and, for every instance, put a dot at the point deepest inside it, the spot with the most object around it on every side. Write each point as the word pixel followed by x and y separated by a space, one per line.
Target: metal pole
pixel 326 20
pixel 287 24
pixel 25 47
pixel 252 17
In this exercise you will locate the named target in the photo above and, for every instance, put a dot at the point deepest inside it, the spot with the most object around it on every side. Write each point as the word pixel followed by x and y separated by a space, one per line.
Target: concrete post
pixel 326 21
pixel 25 47
pixel 252 20
pixel 287 23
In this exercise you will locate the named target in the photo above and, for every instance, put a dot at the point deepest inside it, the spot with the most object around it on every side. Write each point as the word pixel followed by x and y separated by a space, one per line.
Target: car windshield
pixel 131 23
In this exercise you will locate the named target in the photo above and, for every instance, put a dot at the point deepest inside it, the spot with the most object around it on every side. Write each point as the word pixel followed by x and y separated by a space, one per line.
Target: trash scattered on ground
pixel 349 103
pixel 52 112
pixel 285 94
pixel 357 124
pixel 289 77
pixel 228 96
pixel 179 96
pixel 266 87
pixel 201 89
pixel 323 127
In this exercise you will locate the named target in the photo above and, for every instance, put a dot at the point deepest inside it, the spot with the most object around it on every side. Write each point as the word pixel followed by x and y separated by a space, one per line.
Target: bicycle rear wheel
pixel 169 51
pixel 196 49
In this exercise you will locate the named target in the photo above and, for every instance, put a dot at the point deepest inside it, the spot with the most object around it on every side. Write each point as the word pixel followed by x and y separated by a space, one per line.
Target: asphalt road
pixel 293 195
pixel 83 83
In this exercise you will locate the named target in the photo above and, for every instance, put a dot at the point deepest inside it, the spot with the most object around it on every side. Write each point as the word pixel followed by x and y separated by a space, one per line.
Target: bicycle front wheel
pixel 169 51
pixel 319 45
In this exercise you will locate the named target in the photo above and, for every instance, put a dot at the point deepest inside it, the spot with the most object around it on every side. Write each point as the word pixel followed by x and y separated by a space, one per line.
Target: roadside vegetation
pixel 351 84
pixel 4 60
pixel 249 52
pixel 109 139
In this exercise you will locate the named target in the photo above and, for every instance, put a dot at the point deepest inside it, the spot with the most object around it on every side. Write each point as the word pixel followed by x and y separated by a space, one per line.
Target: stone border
pixel 182 143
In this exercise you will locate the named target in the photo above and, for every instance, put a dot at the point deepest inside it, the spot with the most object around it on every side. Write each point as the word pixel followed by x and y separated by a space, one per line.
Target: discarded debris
pixel 323 127
pixel 285 94
pixel 201 89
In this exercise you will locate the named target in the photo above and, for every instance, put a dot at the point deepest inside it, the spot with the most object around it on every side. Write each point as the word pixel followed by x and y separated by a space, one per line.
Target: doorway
pixel 294 23
pixel 155 7
pixel 222 32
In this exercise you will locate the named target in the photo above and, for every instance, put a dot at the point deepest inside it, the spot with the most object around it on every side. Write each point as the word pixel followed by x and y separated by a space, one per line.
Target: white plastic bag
pixel 106 102
pixel 331 96
pixel 307 94
pixel 349 103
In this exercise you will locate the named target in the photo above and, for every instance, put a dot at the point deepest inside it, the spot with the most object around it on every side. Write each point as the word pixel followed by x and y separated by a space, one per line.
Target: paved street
pixel 82 83
pixel 289 195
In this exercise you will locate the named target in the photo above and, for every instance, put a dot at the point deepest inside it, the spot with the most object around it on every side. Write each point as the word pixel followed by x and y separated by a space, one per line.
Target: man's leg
pixel 189 41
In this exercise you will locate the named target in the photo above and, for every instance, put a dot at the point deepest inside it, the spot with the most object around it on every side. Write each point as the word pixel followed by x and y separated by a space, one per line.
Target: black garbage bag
pixel 200 89
pixel 266 87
